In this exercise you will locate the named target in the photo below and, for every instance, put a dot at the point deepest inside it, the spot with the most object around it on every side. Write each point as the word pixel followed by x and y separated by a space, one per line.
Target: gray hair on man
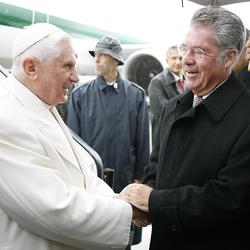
pixel 229 28
pixel 173 47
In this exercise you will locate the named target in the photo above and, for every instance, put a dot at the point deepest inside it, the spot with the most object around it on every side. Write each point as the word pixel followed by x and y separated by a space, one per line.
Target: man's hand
pixel 137 195
pixel 140 218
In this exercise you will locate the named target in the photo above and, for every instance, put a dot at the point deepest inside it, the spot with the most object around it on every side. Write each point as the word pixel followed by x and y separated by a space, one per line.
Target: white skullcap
pixel 31 35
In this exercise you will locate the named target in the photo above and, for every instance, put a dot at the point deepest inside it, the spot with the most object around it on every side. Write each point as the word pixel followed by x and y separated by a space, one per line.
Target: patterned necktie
pixel 197 100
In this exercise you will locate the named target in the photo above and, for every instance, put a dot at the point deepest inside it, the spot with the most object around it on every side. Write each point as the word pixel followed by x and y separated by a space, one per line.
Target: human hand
pixel 137 181
pixel 137 195
pixel 140 218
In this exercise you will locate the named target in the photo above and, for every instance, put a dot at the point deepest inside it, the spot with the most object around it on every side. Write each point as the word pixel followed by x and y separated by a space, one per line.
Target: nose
pixel 74 77
pixel 179 60
pixel 97 58
pixel 187 58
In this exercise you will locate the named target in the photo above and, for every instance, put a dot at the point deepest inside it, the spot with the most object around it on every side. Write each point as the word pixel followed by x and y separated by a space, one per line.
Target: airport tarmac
pixel 144 245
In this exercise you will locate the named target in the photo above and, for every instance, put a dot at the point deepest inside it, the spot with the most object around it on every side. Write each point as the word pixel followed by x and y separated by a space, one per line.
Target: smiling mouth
pixel 191 72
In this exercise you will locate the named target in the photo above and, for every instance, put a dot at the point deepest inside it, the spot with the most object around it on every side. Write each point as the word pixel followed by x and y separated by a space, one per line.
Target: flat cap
pixel 31 35
pixel 110 46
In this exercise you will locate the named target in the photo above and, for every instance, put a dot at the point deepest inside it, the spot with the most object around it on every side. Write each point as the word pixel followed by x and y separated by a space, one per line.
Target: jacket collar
pixel 217 103
pixel 169 77
pixel 102 84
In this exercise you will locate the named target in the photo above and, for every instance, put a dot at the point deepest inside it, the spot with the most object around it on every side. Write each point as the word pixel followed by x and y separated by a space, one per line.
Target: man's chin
pixel 98 72
pixel 63 100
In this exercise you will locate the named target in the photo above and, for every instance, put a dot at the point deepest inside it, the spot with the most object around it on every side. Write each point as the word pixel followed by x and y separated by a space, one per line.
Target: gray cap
pixel 110 46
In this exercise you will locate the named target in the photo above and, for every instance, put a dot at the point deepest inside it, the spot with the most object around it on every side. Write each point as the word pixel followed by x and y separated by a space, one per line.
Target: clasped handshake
pixel 138 196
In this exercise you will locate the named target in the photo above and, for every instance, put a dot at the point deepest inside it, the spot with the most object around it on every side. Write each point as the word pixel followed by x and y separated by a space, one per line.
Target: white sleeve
pixel 34 194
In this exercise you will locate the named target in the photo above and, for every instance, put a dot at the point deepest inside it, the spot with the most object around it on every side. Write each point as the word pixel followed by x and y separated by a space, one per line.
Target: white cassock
pixel 49 197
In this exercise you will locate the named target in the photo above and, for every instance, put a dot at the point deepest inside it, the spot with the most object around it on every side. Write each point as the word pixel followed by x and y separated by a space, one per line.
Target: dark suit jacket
pixel 244 76
pixel 202 173
pixel 162 88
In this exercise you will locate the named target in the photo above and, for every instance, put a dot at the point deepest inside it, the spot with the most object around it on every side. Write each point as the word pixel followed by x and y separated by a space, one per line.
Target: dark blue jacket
pixel 114 121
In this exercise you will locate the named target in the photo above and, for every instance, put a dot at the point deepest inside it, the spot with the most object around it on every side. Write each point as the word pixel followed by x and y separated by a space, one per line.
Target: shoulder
pixel 159 77
pixel 82 88
pixel 7 102
pixel 163 77
pixel 15 119
pixel 134 86
pixel 161 80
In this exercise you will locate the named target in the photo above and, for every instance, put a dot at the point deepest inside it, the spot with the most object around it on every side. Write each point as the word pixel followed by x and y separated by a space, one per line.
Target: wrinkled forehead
pixel 199 36
pixel 173 53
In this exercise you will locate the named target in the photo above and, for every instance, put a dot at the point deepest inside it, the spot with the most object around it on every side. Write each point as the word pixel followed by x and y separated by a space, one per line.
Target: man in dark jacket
pixel 111 115
pixel 166 85
pixel 241 66
pixel 248 53
pixel 198 196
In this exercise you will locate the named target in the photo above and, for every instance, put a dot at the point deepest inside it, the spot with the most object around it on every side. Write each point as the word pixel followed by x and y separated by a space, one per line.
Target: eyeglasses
pixel 196 52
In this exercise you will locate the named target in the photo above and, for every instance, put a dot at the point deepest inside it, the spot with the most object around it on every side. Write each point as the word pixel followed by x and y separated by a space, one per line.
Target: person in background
pixel 241 65
pixel 166 85
pixel 50 198
pixel 198 196
pixel 111 115
pixel 248 49
pixel 248 53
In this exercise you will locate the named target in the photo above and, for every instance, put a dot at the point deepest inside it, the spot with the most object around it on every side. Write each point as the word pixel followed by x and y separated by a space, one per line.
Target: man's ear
pixel 30 66
pixel 231 57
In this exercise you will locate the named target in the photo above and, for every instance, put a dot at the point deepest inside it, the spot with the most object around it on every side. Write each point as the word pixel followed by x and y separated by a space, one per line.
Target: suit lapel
pixel 71 142
pixel 57 138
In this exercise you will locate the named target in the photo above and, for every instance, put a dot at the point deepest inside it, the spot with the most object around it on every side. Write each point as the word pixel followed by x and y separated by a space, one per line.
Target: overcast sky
pixel 156 21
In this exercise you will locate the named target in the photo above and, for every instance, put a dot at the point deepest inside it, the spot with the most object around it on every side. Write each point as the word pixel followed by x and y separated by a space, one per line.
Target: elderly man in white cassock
pixel 50 198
